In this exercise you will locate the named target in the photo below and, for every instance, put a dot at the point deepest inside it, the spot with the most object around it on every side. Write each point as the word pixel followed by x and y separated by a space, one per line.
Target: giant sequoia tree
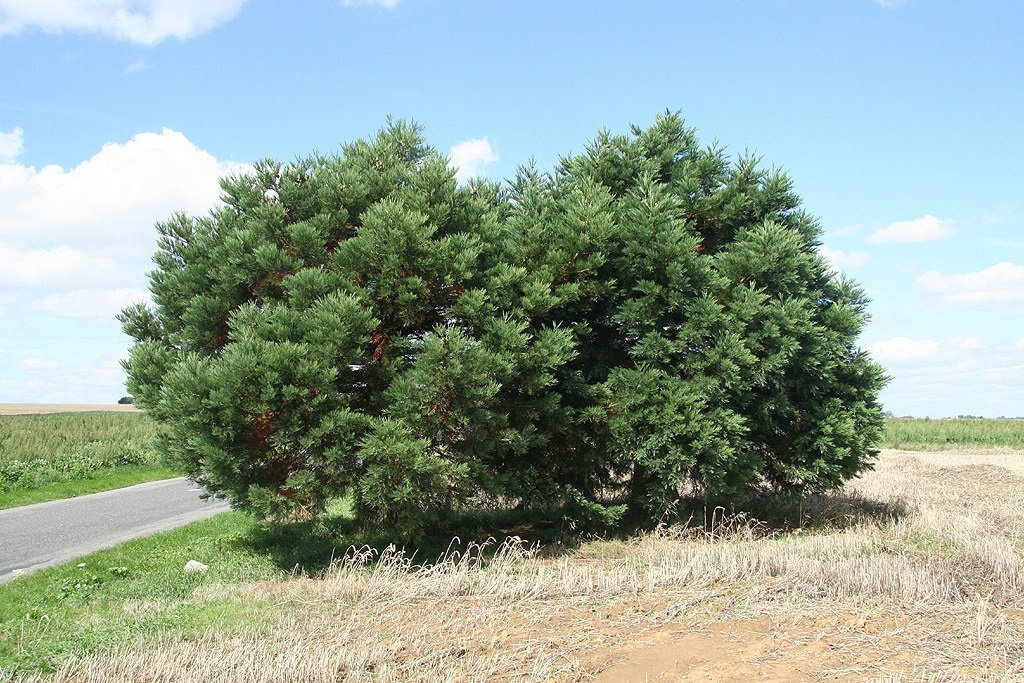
pixel 649 318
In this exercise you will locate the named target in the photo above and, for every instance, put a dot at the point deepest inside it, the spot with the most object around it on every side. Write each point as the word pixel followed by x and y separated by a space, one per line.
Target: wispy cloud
pixel 45 380
pixel 103 304
pixel 11 145
pixel 908 351
pixel 468 158
pixel 925 229
pixel 932 375
pixel 998 285
pixel 138 66
pixel 146 22
pixel 36 365
pixel 842 260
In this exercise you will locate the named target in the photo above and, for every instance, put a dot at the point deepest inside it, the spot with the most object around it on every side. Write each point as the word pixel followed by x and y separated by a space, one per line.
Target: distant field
pixel 41 408
pixel 63 454
pixel 942 434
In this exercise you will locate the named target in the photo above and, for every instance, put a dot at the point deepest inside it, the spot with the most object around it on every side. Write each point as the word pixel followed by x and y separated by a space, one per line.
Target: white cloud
pixel 924 229
pixel 53 268
pixel 101 381
pixel 103 304
pixel 907 351
pixel 36 365
pixel 109 203
pixel 141 21
pixel 1001 284
pixel 137 66
pixel 77 243
pixel 840 260
pixel 961 375
pixel 11 145
pixel 889 4
pixel 468 157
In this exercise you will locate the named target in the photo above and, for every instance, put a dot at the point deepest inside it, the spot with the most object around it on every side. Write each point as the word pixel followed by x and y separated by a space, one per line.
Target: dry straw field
pixel 46 408
pixel 914 573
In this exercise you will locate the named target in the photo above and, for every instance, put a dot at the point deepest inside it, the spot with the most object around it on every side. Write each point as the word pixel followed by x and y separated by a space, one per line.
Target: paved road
pixel 45 534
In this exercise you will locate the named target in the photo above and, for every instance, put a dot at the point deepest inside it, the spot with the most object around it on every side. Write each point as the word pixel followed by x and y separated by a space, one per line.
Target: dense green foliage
pixel 41 451
pixel 649 317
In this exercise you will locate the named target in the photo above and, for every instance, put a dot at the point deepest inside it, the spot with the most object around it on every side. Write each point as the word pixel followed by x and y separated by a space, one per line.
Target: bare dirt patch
pixel 734 652
pixel 794 648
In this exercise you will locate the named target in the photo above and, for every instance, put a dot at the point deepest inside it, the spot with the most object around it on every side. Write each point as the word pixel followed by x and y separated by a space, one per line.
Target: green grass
pixel 105 480
pixel 45 457
pixel 929 434
pixel 135 590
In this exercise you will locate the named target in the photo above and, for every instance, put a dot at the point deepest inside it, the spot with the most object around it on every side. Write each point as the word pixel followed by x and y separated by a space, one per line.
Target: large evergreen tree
pixel 648 317
pixel 714 347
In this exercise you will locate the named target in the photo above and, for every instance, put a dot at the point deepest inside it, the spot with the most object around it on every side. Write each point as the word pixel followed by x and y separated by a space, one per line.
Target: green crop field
pixel 928 434
pixel 49 456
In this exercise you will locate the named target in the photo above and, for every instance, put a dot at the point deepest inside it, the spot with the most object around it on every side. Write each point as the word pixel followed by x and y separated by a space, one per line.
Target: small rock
pixel 194 567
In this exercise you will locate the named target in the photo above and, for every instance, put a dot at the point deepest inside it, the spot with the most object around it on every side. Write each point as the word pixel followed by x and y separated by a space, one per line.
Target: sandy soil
pixel 790 648
pixel 876 642
pixel 41 408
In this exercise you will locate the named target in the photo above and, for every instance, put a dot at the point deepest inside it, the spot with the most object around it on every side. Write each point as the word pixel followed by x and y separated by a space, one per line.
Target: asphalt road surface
pixel 37 536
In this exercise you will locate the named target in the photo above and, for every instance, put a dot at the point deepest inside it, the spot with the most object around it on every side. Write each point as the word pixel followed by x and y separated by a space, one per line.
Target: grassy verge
pixel 46 457
pixel 104 480
pixel 133 592
pixel 137 593
pixel 927 434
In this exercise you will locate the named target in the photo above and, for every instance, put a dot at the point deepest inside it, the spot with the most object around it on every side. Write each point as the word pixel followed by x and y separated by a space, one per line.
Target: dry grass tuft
pixel 919 576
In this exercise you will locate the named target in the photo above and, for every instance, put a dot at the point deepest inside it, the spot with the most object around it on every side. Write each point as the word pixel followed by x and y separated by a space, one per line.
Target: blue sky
pixel 899 122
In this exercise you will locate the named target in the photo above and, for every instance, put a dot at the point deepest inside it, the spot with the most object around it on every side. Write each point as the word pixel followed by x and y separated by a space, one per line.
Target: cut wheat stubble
pixel 932 593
